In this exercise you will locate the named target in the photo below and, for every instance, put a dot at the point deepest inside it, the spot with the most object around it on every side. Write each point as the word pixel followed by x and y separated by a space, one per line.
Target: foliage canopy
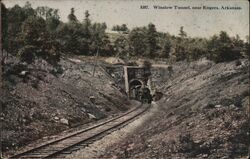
pixel 38 33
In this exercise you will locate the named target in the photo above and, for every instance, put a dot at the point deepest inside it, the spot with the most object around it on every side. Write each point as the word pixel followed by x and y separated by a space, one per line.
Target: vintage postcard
pixel 116 79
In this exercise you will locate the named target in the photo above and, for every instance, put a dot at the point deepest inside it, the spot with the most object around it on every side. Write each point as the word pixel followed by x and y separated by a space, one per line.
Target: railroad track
pixel 63 146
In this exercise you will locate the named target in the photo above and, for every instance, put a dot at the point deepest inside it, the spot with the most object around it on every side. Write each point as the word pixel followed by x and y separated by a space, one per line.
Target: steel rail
pixel 31 153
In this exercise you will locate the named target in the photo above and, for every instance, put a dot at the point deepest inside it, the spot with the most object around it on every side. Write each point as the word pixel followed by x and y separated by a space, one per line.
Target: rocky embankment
pixel 40 100
pixel 203 114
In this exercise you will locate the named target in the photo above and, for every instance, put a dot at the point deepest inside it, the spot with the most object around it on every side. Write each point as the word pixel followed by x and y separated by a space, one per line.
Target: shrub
pixel 27 53
pixel 221 48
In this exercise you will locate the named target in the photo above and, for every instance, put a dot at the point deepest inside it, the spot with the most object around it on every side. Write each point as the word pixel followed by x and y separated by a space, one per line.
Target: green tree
pixel 99 39
pixel 86 28
pixel 35 41
pixel 70 36
pixel 120 28
pixel 165 45
pixel 181 45
pixel 138 41
pixel 87 24
pixel 115 28
pixel 4 37
pixel 237 42
pixel 16 16
pixel 124 28
pixel 121 46
pixel 28 10
pixel 180 52
pixel 51 17
pixel 151 40
pixel 71 17
pixel 182 33
pixel 165 52
pixel 221 48
pixel 196 48
pixel 180 49
pixel 212 46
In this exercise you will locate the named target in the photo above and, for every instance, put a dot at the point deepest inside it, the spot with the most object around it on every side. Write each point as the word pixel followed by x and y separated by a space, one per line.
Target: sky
pixel 196 22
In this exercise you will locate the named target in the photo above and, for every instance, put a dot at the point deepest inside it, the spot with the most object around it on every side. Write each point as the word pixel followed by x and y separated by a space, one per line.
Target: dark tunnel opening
pixel 134 87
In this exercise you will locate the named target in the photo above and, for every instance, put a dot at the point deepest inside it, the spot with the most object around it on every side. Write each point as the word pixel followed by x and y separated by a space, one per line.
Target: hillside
pixel 41 100
pixel 202 115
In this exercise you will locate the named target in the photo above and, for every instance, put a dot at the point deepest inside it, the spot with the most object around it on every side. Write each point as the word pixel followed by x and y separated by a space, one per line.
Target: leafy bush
pixel 27 53
pixel 221 48
pixel 36 41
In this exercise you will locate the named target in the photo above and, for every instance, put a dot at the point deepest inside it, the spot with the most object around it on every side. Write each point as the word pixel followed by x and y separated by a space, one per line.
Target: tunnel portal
pixel 134 88
pixel 135 81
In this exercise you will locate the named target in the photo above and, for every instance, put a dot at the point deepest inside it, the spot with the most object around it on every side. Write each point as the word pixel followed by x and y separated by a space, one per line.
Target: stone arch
pixel 134 87
pixel 135 82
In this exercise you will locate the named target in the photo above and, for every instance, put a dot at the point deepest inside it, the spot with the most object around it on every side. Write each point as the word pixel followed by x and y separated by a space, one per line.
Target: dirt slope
pixel 202 115
pixel 39 99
